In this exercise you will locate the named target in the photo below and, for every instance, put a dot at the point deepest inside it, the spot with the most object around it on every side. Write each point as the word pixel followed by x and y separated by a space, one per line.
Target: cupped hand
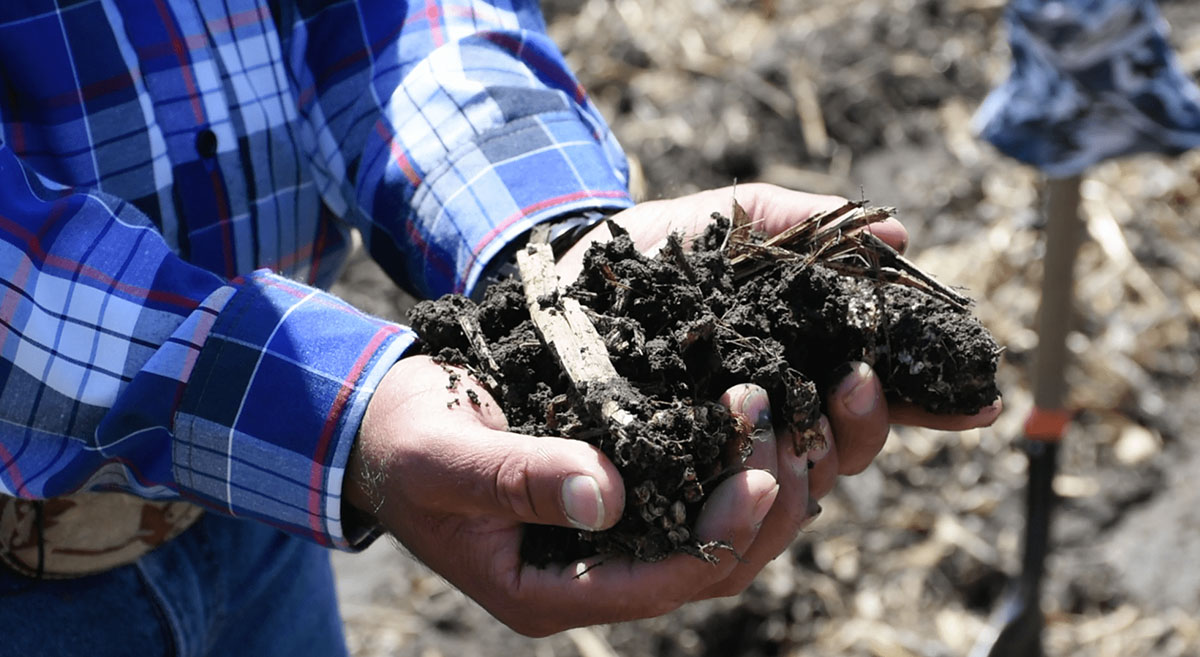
pixel 859 415
pixel 436 466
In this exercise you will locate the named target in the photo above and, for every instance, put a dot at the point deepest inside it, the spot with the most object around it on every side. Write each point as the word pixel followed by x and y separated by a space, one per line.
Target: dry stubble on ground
pixel 873 98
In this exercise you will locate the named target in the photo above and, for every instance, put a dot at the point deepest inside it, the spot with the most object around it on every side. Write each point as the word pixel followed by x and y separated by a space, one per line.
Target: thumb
pixel 540 480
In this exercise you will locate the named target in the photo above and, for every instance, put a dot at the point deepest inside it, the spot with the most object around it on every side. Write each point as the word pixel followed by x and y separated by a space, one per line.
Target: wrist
pixel 362 487
pixel 362 493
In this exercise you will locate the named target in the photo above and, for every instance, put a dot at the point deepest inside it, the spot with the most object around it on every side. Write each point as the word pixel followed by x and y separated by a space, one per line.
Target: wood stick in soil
pixel 567 330
pixel 471 329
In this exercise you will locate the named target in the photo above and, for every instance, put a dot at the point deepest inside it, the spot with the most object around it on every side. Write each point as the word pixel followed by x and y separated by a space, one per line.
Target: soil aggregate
pixel 685 325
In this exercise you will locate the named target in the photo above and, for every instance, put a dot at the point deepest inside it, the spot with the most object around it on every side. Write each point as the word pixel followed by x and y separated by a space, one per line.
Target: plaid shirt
pixel 171 170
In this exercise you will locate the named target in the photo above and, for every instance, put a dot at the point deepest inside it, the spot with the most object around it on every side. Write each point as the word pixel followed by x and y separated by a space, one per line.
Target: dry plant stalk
pixel 838 240
pixel 566 329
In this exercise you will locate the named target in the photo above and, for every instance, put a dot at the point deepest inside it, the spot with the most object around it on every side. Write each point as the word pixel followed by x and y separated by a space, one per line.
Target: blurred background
pixel 872 99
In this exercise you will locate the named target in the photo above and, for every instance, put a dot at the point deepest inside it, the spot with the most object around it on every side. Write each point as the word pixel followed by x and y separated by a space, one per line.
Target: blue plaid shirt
pixel 179 178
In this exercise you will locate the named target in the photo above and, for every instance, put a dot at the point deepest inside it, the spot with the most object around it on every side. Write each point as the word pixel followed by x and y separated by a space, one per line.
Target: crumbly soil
pixel 682 327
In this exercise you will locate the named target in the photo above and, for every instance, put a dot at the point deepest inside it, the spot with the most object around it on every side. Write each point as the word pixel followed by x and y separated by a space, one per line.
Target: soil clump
pixel 688 322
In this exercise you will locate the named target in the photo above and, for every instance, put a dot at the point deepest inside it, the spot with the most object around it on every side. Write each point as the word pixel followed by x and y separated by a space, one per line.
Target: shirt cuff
pixel 494 189
pixel 274 404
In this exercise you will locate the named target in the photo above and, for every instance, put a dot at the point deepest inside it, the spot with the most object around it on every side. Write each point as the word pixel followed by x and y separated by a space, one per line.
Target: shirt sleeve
pixel 463 130
pixel 124 368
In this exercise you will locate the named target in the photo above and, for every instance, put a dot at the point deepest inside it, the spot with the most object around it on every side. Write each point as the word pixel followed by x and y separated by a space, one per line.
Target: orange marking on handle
pixel 1047 424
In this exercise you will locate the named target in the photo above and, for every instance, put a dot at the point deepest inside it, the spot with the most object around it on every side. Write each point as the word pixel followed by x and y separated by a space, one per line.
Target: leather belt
pixel 86 533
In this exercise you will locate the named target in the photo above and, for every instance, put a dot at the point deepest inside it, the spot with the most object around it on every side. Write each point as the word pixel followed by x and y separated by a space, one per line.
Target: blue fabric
pixel 1090 80
pixel 178 177
pixel 223 588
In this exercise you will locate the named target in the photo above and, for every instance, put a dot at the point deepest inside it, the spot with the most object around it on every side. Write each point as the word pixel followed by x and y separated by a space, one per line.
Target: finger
pixel 914 416
pixel 541 480
pixel 751 410
pixel 892 232
pixel 607 591
pixel 791 512
pixel 859 418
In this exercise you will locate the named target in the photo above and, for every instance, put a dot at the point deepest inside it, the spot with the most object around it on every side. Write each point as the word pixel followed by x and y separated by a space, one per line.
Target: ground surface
pixel 873 98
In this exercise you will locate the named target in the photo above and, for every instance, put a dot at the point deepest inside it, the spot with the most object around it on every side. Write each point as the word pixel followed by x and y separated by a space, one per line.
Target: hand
pixel 859 415
pixel 774 208
pixel 455 487
pixel 441 473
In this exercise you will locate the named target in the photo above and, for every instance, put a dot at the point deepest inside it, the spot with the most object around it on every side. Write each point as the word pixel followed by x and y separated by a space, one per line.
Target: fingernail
pixel 756 407
pixel 857 391
pixel 762 507
pixel 813 512
pixel 821 450
pixel 582 502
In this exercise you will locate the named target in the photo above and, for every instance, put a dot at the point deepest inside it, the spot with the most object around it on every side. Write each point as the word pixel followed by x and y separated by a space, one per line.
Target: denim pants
pixel 223 587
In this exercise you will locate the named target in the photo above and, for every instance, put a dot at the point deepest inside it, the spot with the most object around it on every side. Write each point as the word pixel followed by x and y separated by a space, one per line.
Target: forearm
pixel 122 367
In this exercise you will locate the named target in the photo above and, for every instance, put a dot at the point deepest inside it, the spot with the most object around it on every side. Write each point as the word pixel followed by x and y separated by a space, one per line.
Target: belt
pixel 86 533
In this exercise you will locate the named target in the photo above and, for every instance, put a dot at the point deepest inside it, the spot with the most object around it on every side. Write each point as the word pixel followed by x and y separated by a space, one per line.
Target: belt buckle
pixel 86 533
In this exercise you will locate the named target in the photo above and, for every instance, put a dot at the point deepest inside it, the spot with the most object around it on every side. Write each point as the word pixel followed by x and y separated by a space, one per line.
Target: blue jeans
pixel 223 587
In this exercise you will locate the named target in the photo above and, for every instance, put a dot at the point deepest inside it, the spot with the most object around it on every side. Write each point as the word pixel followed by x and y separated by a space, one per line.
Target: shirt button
pixel 206 143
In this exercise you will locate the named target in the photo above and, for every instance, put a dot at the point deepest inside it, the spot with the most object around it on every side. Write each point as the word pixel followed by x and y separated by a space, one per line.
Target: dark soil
pixel 684 326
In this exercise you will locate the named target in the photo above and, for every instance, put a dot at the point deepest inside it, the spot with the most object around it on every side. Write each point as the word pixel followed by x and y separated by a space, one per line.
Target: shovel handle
pixel 1064 230
pixel 1048 419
